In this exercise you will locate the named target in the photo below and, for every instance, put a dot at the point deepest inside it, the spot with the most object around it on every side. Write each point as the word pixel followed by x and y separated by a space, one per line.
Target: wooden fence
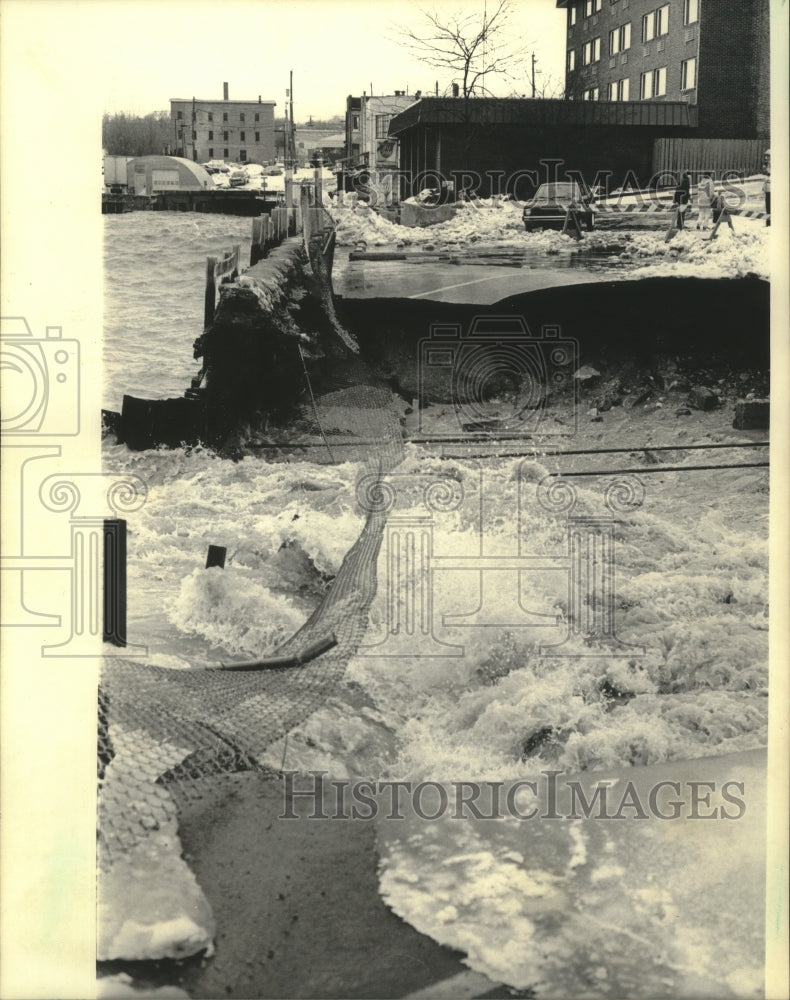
pixel 740 156
pixel 309 217
pixel 218 272
pixel 268 231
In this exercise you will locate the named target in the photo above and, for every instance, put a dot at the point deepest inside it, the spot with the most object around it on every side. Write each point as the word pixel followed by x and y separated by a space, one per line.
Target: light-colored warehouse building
pixel 234 131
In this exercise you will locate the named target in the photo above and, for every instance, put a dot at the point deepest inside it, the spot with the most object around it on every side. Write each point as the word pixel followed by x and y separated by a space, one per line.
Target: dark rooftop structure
pixel 450 136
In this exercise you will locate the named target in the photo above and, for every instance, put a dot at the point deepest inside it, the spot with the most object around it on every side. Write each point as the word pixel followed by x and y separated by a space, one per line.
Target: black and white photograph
pixel 395 448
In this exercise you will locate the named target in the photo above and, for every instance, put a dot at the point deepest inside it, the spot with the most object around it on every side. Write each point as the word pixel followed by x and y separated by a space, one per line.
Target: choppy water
pixel 154 279
pixel 691 585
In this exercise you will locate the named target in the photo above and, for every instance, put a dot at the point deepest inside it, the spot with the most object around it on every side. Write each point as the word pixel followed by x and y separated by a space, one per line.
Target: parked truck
pixel 116 180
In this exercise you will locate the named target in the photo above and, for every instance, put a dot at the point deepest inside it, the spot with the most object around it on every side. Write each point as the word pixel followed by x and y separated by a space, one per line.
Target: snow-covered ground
pixel 644 253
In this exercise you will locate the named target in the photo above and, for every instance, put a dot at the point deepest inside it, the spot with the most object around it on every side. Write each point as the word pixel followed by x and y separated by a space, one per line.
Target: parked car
pixel 549 206
pixel 238 178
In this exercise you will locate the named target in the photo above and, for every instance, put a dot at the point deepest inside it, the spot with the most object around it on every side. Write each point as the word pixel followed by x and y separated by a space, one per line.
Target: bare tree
pixel 470 47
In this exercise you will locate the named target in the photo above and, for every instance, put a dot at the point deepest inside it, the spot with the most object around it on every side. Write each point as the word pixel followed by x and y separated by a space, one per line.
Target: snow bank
pixel 487 225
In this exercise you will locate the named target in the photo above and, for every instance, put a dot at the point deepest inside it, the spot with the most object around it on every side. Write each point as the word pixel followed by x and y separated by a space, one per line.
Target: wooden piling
pixel 114 618
pixel 216 556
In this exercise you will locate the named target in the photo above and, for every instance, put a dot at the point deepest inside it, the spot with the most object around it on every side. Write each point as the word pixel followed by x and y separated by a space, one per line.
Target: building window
pixel 620 39
pixel 619 90
pixel 572 12
pixel 210 136
pixel 656 23
pixel 179 115
pixel 225 136
pixel 257 136
pixel 224 116
pixel 571 60
pixel 257 117
pixel 242 137
pixel 591 51
pixel 241 116
pixel 382 125
pixel 242 155
pixel 591 94
pixel 224 154
pixel 654 83
pixel 591 7
pixel 688 74
pixel 211 152
pixel 211 116
pixel 691 13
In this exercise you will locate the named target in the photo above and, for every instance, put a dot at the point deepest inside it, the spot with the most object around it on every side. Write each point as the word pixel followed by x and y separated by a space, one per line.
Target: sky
pixel 153 50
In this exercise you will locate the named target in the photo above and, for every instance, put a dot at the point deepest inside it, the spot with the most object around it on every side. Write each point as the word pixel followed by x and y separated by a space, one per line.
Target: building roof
pixel 522 111
pixel 161 162
pixel 216 100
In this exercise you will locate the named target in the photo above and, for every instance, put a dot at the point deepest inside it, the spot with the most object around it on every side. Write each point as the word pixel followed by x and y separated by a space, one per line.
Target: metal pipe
pixel 294 660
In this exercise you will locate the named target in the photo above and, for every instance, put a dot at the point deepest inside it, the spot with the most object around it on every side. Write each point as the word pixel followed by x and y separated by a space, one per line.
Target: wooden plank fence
pixel 309 217
pixel 268 231
pixel 740 156
pixel 218 272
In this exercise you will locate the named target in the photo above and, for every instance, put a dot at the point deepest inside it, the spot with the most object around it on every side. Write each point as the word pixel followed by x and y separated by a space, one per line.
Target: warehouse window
pixel 688 74
pixel 241 116
pixel 211 152
pixel 210 135
pixel 224 116
pixel 225 154
pixel 225 136
pixel 242 155
pixel 257 117
pixel 211 116
pixel 242 136
pixel 691 13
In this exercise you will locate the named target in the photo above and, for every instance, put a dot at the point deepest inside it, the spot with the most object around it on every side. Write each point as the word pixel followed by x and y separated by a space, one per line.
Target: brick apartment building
pixel 713 54
pixel 236 131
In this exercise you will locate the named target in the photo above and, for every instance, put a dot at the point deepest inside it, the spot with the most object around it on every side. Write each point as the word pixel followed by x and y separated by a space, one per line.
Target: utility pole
pixel 533 76
pixel 194 128
pixel 292 137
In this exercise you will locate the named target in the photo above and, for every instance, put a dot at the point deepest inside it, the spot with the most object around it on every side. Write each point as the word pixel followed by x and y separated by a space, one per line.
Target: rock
pixel 636 397
pixel 703 398
pixel 593 412
pixel 586 373
pixel 596 420
pixel 752 414
pixel 684 411
pixel 608 395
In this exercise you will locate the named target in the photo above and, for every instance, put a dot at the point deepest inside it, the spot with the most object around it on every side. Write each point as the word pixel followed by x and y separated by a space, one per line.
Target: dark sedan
pixel 549 207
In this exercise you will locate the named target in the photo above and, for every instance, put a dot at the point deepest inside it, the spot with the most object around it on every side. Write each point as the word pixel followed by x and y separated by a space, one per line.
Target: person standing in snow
pixel 682 196
pixel 705 196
